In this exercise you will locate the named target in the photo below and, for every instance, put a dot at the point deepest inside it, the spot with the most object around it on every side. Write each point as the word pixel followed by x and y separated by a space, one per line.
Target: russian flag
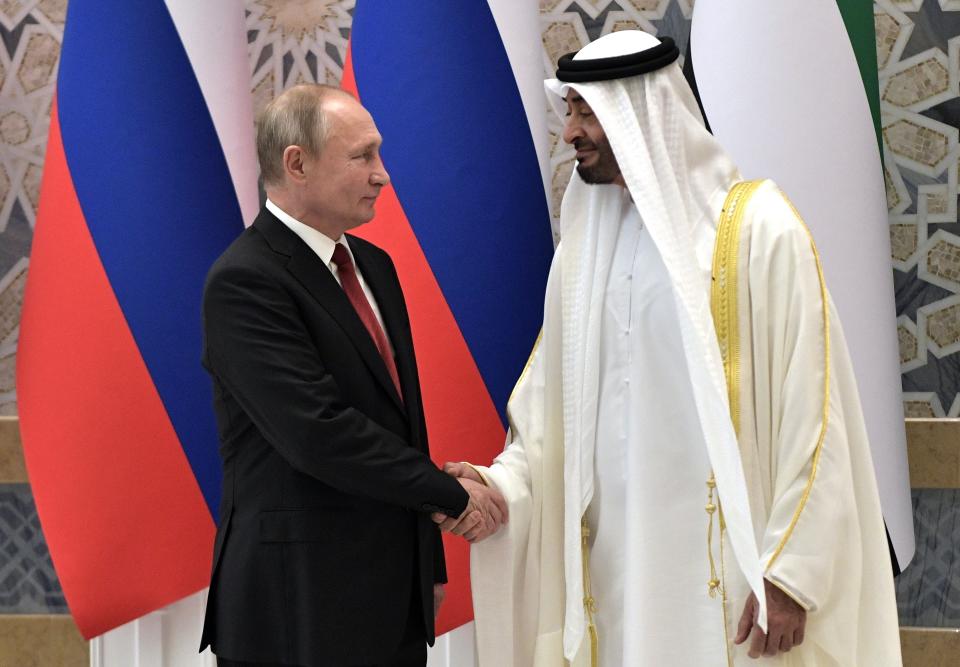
pixel 149 176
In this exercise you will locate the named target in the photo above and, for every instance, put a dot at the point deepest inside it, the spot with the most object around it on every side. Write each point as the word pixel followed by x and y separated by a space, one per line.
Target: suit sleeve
pixel 439 560
pixel 258 346
pixel 439 557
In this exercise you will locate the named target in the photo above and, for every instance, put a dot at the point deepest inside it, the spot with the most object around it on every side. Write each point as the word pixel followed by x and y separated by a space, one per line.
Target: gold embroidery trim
pixel 589 604
pixel 826 392
pixel 800 603
pixel 523 374
pixel 526 367
pixel 723 602
pixel 723 307
pixel 723 290
pixel 714 584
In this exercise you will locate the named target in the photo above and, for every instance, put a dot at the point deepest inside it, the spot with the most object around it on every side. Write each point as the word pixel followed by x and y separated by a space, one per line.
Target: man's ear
pixel 293 163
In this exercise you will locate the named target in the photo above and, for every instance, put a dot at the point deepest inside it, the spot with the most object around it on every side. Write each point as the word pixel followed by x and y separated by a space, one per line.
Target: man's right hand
pixel 486 510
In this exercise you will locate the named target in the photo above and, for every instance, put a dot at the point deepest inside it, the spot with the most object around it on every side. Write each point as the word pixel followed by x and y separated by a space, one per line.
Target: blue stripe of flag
pixel 156 192
pixel 459 151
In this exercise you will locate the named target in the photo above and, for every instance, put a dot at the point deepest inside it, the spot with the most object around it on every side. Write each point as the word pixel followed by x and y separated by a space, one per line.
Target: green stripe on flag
pixel 858 18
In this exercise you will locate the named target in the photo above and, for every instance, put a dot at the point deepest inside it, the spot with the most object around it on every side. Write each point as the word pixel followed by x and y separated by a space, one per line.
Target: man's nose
pixel 380 176
pixel 572 130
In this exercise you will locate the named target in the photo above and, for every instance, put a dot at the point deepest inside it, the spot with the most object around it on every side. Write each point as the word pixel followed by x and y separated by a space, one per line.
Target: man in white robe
pixel 687 470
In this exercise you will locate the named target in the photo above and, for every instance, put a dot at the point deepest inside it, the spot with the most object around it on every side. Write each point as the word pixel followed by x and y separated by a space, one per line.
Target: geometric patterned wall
pixel 28 583
pixel 928 590
pixel 290 41
pixel 918 53
pixel 31 33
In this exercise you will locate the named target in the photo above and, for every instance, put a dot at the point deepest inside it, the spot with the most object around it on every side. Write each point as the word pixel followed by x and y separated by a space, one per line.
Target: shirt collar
pixel 319 242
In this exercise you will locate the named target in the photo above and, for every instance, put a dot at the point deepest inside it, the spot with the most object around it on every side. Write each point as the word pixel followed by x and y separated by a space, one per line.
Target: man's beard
pixel 605 170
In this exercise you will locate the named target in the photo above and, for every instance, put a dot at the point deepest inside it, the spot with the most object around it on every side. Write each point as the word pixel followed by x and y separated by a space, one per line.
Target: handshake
pixel 486 511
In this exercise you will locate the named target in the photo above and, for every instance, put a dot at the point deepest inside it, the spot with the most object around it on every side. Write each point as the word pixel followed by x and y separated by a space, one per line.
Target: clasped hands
pixel 486 510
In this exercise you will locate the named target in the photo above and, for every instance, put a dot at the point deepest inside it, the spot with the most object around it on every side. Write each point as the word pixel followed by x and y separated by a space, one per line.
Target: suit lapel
pixel 316 278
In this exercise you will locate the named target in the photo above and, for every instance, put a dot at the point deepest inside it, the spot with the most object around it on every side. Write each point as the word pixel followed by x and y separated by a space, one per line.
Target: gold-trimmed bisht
pixel 825 409
pixel 723 307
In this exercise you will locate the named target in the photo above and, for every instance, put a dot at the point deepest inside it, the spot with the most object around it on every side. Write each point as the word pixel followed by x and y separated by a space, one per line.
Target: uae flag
pixel 790 89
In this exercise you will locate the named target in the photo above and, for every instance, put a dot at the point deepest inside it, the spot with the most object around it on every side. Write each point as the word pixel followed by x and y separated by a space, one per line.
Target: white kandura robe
pixel 647 514
pixel 813 499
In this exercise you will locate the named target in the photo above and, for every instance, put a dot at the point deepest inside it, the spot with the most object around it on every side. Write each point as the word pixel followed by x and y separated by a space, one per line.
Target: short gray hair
pixel 294 118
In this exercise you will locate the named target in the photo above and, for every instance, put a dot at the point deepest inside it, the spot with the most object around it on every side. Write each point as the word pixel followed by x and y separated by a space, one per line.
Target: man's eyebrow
pixel 370 145
pixel 574 98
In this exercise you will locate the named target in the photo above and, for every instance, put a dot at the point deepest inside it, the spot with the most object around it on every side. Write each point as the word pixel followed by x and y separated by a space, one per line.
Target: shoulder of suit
pixel 367 248
pixel 357 242
pixel 245 251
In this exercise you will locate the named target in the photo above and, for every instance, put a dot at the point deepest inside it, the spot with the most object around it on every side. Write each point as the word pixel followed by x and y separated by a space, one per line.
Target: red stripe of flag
pixel 119 505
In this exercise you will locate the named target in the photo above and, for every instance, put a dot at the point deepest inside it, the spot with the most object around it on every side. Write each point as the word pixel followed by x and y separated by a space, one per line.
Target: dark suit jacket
pixel 325 531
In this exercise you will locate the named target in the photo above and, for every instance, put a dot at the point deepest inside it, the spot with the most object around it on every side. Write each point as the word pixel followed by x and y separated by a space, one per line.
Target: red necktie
pixel 351 286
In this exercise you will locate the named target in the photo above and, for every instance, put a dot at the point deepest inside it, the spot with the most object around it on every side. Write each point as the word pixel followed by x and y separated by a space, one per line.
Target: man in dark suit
pixel 325 554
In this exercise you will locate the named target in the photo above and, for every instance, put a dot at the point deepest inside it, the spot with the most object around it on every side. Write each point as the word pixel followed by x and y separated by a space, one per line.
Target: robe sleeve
pixel 517 575
pixel 499 569
pixel 510 470
pixel 812 513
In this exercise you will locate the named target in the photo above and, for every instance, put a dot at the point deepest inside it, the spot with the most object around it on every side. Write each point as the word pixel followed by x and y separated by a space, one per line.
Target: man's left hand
pixel 786 621
pixel 438 595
